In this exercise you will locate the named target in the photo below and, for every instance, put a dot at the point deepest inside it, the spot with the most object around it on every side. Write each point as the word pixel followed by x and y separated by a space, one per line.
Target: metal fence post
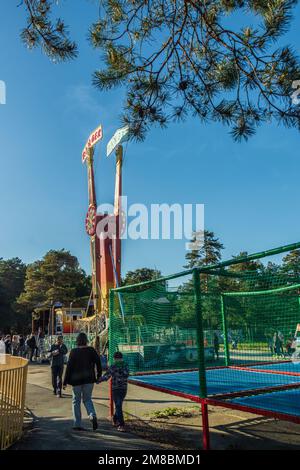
pixel 225 332
pixel 110 348
pixel 201 358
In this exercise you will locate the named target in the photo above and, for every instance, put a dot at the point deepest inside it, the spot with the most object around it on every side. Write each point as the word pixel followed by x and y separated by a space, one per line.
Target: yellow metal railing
pixel 13 376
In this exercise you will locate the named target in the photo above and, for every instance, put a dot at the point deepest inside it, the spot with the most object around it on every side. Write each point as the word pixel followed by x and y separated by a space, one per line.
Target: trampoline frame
pixel 203 399
pixel 221 400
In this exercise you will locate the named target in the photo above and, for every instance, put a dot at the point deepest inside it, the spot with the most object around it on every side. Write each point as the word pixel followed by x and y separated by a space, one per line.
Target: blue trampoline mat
pixel 219 381
pixel 287 402
pixel 289 366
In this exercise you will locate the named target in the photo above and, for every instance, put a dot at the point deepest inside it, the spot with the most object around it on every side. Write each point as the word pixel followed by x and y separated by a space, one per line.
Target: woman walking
pixel 15 345
pixel 83 370
pixel 42 347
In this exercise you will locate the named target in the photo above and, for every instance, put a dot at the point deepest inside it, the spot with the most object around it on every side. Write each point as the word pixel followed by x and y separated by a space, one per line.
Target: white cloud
pixel 87 105
pixel 83 99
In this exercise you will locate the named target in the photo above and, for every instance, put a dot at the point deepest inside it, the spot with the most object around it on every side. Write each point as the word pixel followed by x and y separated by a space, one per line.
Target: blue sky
pixel 250 190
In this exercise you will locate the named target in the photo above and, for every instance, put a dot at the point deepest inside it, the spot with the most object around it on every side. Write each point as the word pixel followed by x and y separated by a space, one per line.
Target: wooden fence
pixel 13 376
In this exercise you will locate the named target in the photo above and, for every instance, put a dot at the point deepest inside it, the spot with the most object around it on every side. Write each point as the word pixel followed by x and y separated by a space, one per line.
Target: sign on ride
pixel 118 137
pixel 95 136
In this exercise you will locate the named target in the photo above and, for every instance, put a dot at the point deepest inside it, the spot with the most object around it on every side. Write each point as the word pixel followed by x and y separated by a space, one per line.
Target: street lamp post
pixel 52 321
pixel 71 317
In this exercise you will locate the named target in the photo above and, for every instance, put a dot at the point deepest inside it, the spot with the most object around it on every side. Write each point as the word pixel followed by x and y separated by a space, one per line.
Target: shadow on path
pixel 51 427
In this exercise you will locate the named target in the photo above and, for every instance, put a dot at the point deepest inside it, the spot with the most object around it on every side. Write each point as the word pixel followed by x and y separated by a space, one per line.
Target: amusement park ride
pixel 105 248
pixel 104 231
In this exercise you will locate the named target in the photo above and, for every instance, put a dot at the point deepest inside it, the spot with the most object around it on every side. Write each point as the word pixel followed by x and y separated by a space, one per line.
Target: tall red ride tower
pixel 105 244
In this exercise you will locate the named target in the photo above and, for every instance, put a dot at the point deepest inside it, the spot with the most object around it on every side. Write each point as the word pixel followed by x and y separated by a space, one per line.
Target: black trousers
pixel 57 372
pixel 118 397
pixel 33 352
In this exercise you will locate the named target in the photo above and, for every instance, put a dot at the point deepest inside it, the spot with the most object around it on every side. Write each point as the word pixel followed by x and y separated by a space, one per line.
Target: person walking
pixel 42 348
pixel 271 344
pixel 83 370
pixel 37 344
pixel 31 343
pixel 2 350
pixel 27 347
pixel 15 345
pixel 57 352
pixel 119 373
pixel 21 346
pixel 7 342
pixel 277 344
pixel 281 339
pixel 216 345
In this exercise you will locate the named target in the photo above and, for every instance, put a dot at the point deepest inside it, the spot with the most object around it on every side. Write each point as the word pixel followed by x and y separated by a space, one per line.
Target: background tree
pixel 12 277
pixel 291 264
pixel 50 35
pixel 209 251
pixel 176 57
pixel 245 265
pixel 83 291
pixel 248 271
pixel 57 277
pixel 140 275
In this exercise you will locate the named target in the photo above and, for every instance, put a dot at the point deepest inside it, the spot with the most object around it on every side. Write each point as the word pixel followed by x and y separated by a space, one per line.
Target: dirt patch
pixel 172 427
pixel 157 432
pixel 229 430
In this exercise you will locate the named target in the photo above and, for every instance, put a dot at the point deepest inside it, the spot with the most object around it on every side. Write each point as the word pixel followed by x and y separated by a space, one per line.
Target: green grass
pixel 253 345
pixel 174 412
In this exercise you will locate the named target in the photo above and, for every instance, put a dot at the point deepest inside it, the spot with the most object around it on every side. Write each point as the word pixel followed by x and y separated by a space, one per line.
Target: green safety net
pixel 157 330
pixel 234 323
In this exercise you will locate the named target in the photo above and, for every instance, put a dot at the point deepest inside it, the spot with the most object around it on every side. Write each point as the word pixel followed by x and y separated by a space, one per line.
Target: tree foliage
pixel 42 31
pixel 56 278
pixel 208 252
pixel 140 275
pixel 12 277
pixel 176 57
pixel 254 315
pixel 291 263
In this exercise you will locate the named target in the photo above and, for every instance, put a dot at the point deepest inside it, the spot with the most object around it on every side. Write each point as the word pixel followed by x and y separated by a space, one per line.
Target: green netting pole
pixel 200 335
pixel 201 359
pixel 110 317
pixel 110 348
pixel 225 333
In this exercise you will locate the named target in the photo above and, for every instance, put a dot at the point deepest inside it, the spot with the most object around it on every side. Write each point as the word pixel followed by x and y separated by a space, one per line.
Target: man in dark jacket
pixel 31 344
pixel 21 345
pixel 7 342
pixel 81 374
pixel 57 353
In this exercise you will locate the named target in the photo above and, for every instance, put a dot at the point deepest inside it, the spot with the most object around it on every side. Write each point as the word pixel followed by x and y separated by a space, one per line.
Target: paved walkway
pixel 51 422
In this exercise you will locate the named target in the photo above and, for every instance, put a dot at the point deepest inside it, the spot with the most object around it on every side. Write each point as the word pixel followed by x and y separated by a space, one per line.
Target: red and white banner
pixel 95 136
